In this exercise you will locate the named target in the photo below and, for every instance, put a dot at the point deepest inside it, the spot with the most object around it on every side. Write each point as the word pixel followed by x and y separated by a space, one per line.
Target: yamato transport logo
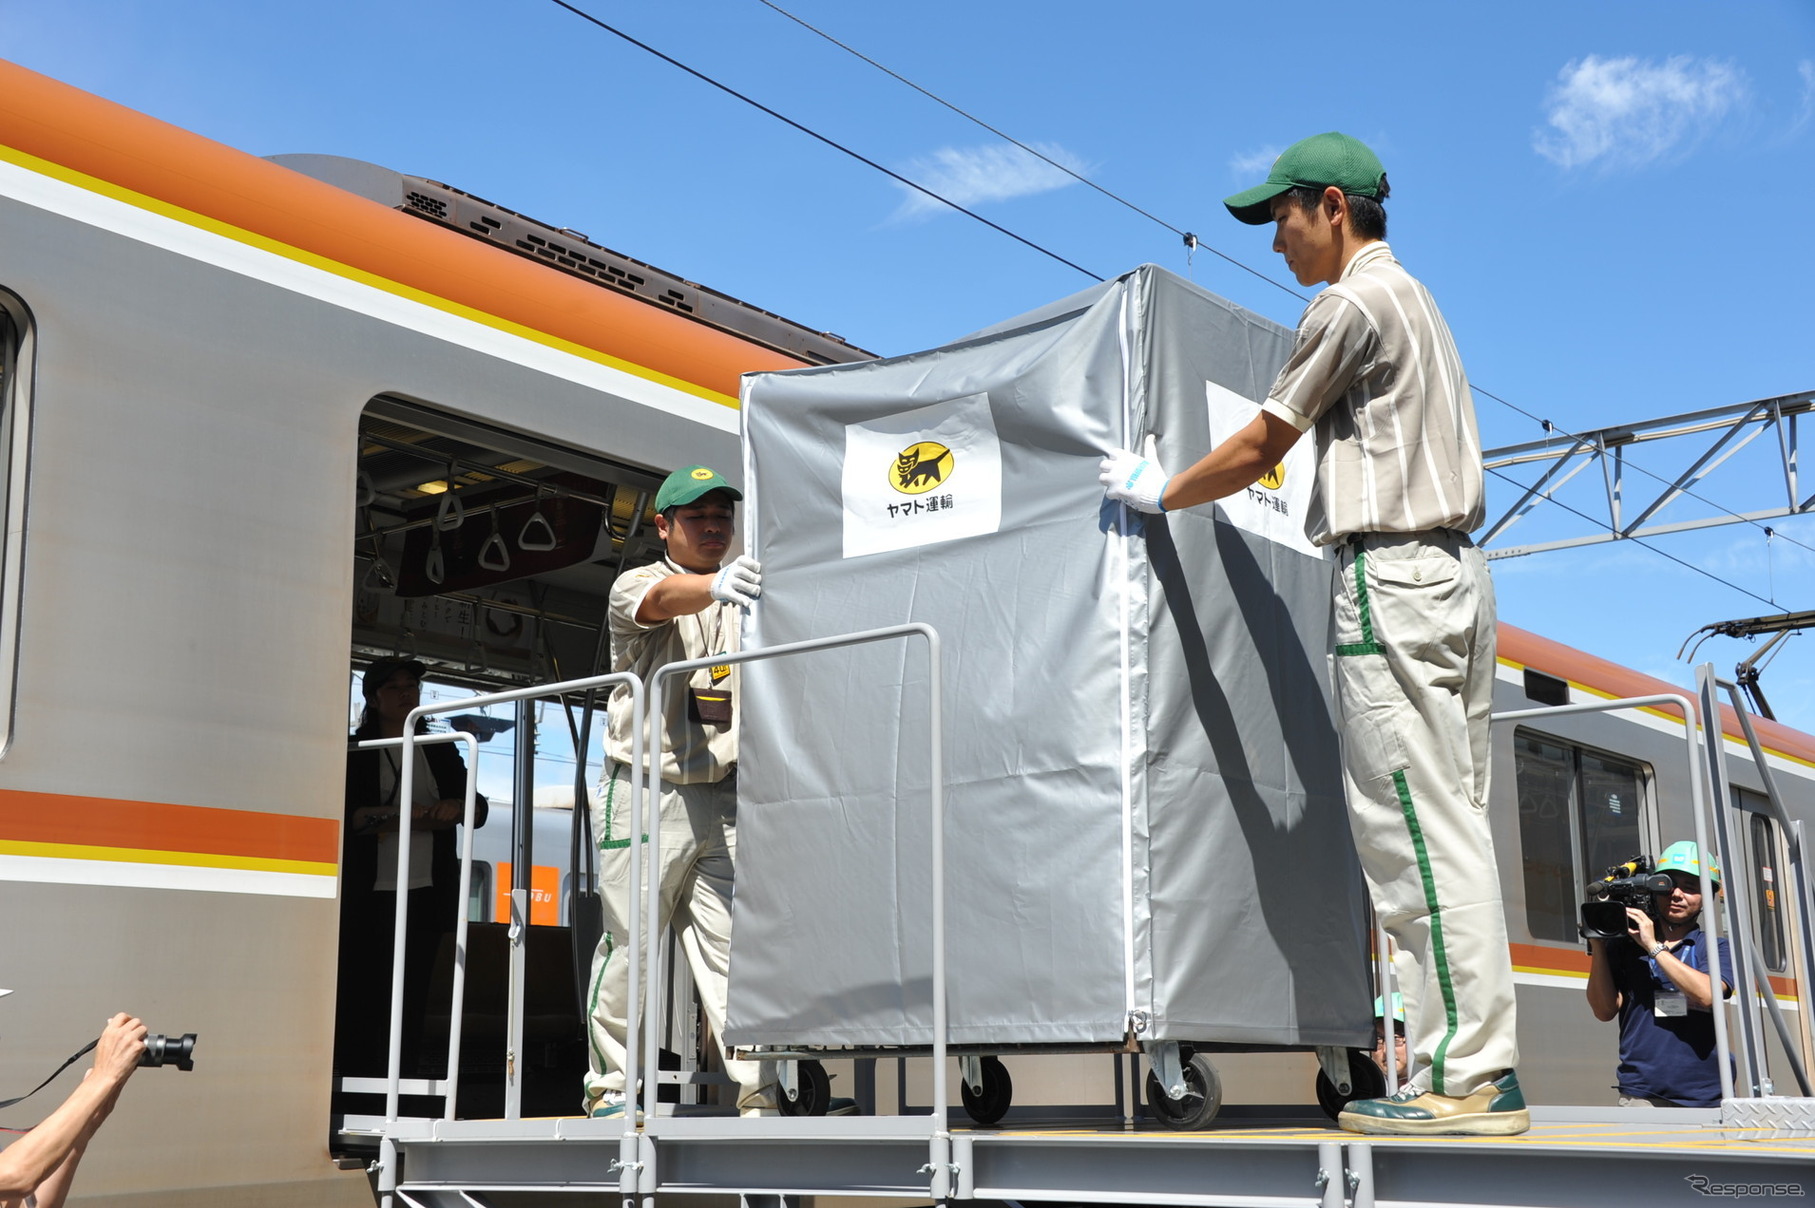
pixel 1275 478
pixel 920 467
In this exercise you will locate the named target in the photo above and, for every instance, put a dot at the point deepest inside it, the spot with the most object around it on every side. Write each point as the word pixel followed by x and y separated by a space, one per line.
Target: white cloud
pixel 1630 112
pixel 1249 163
pixel 969 176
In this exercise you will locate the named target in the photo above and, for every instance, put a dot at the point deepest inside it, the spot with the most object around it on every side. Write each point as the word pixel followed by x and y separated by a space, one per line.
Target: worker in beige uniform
pixel 1374 370
pixel 687 606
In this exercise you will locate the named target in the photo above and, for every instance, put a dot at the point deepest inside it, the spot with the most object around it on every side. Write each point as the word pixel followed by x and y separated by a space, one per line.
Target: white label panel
pixel 1275 506
pixel 921 477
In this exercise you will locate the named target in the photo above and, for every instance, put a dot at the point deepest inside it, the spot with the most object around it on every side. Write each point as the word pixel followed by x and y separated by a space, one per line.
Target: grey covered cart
pixel 1147 847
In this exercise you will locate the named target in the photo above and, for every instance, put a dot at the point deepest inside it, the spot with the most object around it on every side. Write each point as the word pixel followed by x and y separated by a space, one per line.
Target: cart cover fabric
pixel 1145 823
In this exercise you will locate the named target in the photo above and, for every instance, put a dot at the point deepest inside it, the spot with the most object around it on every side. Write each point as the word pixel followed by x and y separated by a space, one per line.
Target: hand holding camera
pixel 121 1048
pixel 1641 930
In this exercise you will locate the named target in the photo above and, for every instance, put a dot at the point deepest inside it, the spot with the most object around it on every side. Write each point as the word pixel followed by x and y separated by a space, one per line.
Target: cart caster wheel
pixel 1366 1081
pixel 1203 1096
pixel 991 1103
pixel 812 1091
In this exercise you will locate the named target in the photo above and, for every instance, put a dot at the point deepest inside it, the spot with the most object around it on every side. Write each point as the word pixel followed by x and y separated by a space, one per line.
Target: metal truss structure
pixel 1723 432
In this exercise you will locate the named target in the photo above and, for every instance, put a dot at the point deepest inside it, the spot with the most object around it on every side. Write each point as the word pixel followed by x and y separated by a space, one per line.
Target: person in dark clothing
pixel 1655 979
pixel 368 883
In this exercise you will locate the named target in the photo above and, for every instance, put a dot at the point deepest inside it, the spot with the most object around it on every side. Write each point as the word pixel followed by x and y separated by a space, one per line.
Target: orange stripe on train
pixel 1573 962
pixel 104 822
pixel 79 131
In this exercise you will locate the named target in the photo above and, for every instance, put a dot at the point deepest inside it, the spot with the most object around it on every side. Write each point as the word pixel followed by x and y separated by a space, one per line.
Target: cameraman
pixel 35 1170
pixel 1656 980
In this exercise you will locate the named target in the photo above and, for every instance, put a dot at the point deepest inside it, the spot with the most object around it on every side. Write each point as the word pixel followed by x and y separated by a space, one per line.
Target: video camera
pixel 1634 883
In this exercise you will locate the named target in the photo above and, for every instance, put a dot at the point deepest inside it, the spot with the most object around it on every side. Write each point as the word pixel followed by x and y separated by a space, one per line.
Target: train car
pixel 264 423
pixel 259 429
pixel 1576 794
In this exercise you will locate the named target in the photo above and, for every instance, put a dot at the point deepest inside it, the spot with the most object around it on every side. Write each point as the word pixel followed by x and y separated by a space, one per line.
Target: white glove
pixel 1137 481
pixel 738 582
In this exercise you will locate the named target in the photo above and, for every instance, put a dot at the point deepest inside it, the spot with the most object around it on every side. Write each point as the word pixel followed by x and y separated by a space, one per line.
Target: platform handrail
pixel 1714 767
pixel 400 918
pixel 939 1165
pixel 519 893
pixel 1804 915
pixel 1699 804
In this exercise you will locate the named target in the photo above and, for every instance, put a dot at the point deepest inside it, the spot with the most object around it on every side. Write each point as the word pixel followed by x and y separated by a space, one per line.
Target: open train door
pixel 484 557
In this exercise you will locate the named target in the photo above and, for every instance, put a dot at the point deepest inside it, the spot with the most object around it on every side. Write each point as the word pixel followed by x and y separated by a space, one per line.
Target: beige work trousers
pixel 699 845
pixel 1413 656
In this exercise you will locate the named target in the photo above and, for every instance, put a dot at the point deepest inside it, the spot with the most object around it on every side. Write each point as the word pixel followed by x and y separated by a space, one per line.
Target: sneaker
pixel 1494 1110
pixel 837 1106
pixel 758 1109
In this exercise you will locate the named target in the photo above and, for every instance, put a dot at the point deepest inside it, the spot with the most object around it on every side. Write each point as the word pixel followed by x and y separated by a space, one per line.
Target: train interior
pixel 487 556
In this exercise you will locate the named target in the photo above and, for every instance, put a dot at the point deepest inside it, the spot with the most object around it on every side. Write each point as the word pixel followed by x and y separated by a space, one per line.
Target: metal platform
pixel 1757 1147
pixel 1570 1157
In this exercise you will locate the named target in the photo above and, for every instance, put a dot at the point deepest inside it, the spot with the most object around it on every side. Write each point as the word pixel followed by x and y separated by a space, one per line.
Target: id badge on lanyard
pixel 711 705
pixel 1671 1004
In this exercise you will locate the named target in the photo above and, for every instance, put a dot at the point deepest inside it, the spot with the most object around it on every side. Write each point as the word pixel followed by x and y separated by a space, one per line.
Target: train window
pixel 1579 814
pixel 15 443
pixel 1767 893
pixel 568 897
pixel 1611 791
pixel 1546 781
pixel 479 893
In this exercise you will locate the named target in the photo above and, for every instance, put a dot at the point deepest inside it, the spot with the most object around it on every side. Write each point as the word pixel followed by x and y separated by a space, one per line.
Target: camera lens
pixel 1604 920
pixel 169 1050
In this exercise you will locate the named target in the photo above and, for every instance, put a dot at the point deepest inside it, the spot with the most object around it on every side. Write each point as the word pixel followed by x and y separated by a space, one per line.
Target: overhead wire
pixel 814 134
pixel 1191 240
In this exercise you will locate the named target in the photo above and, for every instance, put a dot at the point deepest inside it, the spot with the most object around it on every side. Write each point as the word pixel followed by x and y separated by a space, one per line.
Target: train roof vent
pixel 573 253
pixel 1546 689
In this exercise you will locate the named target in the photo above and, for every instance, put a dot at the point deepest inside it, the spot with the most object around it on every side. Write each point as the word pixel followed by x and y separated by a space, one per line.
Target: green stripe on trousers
pixel 1363 612
pixel 1437 953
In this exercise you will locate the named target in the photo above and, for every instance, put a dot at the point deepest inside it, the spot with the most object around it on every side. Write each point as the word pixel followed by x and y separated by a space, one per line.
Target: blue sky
pixel 1603 197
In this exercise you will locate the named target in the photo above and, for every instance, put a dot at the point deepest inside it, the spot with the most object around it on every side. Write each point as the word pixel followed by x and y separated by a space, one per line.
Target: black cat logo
pixel 920 467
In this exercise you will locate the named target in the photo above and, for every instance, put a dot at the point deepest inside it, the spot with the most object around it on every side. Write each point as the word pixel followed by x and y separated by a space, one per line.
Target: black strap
pixel 84 1051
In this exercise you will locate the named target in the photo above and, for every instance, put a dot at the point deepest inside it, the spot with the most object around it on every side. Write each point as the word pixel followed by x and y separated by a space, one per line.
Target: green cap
pixel 1318 161
pixel 1684 857
pixel 686 485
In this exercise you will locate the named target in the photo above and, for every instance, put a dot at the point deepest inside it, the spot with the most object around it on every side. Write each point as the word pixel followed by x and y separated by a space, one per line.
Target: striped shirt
pixel 1375 368
pixel 695 752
